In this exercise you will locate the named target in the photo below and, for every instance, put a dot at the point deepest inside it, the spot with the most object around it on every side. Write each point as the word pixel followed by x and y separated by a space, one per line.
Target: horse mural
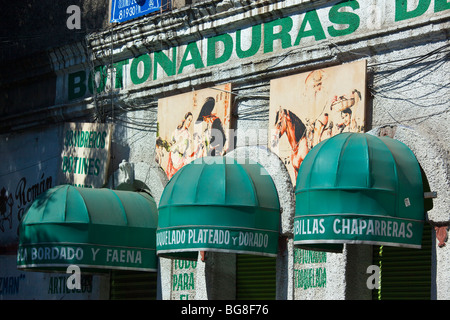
pixel 287 122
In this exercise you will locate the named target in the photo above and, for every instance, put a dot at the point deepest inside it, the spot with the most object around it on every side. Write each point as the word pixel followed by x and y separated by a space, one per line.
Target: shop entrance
pixel 255 277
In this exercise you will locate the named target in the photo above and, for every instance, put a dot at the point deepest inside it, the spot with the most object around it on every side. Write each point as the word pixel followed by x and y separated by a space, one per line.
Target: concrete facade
pixel 406 49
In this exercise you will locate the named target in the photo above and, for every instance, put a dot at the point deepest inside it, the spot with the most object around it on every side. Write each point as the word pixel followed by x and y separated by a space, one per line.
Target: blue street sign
pixel 123 10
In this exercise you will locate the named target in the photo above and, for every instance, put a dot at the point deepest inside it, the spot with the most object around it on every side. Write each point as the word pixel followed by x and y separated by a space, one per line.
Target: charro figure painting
pixel 310 107
pixel 192 125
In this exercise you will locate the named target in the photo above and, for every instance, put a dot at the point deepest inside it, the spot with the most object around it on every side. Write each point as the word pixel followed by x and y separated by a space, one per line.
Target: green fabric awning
pixel 91 228
pixel 359 188
pixel 218 204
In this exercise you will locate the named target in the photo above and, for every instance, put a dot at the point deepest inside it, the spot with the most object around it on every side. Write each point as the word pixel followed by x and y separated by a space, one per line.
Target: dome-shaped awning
pixel 359 188
pixel 218 204
pixel 91 228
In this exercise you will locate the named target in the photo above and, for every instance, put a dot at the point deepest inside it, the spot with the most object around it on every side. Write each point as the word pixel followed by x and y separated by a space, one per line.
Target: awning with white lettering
pixel 95 229
pixel 359 188
pixel 218 204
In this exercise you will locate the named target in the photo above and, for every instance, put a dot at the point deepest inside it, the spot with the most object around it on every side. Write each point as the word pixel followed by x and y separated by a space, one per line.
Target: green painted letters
pixel 283 35
pixel 228 49
pixel 256 43
pixel 441 5
pixel 101 85
pixel 196 58
pixel 169 66
pixel 402 13
pixel 338 17
pixel 316 27
pixel 76 88
pixel 147 64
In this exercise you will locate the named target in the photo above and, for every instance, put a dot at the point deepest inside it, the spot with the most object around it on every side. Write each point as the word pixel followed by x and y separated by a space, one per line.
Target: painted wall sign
pixel 308 108
pixel 16 284
pixel 309 269
pixel 343 19
pixel 85 154
pixel 184 277
pixel 29 168
pixel 124 10
pixel 192 125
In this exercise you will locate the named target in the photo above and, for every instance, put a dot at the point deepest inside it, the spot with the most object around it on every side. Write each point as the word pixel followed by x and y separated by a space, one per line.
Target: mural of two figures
pixel 308 108
pixel 192 125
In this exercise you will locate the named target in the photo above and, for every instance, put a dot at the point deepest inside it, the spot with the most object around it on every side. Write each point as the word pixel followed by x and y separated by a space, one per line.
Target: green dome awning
pixel 91 228
pixel 359 188
pixel 218 204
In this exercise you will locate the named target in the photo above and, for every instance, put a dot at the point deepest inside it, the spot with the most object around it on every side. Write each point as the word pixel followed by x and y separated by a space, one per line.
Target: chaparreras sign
pixel 337 229
pixel 341 19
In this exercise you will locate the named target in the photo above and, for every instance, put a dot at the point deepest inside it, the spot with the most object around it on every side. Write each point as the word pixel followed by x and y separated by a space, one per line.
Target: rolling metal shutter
pixel 133 285
pixel 255 277
pixel 405 273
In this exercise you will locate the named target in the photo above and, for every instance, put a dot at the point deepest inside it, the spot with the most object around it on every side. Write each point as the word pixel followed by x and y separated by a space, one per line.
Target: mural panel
pixel 310 107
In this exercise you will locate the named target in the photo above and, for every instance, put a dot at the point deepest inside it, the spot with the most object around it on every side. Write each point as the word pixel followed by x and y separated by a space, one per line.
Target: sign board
pixel 310 107
pixel 124 10
pixel 85 154
pixel 184 280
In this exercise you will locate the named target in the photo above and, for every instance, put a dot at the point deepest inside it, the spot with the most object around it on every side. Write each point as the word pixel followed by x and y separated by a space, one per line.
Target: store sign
pixel 217 239
pixel 358 229
pixel 84 256
pixel 344 19
pixel 124 10
pixel 85 155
